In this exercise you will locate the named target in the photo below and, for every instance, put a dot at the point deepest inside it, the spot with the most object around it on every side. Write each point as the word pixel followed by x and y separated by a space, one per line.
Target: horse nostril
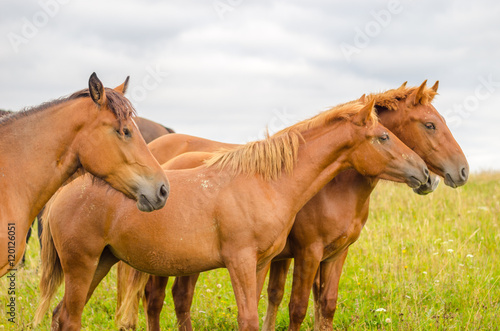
pixel 464 173
pixel 163 191
pixel 426 172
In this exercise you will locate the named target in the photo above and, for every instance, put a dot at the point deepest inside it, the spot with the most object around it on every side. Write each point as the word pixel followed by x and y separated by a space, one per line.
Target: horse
pixel 42 147
pixel 319 238
pixel 235 211
pixel 149 130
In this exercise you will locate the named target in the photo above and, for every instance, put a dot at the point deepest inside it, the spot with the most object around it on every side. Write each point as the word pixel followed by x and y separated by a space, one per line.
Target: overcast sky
pixel 226 69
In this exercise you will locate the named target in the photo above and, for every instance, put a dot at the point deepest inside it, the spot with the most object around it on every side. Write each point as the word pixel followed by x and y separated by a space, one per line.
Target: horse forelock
pixel 278 153
pixel 116 102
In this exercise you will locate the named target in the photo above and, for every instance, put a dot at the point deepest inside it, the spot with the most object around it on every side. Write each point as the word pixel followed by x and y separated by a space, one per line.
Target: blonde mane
pixel 278 153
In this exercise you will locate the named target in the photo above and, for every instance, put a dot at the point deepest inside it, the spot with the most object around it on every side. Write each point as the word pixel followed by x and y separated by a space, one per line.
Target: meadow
pixel 421 263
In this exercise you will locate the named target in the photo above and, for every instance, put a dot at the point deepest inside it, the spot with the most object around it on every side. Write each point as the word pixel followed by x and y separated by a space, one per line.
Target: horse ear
pixel 123 87
pixel 363 116
pixel 435 86
pixel 415 97
pixel 403 85
pixel 362 99
pixel 96 90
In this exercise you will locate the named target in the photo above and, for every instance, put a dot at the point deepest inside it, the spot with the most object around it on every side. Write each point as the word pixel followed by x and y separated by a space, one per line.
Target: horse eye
pixel 384 137
pixel 127 132
pixel 430 126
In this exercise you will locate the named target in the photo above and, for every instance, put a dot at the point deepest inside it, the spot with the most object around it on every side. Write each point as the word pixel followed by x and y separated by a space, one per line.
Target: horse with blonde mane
pixel 235 211
pixel 339 209
pixel 42 147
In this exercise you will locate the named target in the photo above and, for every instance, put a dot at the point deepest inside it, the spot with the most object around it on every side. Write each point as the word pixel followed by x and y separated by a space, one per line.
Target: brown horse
pixel 149 130
pixel 42 147
pixel 235 211
pixel 316 238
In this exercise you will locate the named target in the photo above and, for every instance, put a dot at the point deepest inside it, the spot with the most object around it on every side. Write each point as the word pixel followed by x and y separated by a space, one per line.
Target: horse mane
pixel 277 153
pixel 390 98
pixel 120 106
pixel 5 112
pixel 116 102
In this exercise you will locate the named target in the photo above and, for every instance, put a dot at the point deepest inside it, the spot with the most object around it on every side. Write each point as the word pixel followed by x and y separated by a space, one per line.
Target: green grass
pixel 432 263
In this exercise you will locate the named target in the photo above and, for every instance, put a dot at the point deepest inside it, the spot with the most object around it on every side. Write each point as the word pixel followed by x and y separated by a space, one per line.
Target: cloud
pixel 223 76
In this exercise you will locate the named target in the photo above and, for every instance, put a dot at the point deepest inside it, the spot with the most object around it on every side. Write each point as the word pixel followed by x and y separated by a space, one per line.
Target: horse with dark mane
pixel 149 130
pixel 41 147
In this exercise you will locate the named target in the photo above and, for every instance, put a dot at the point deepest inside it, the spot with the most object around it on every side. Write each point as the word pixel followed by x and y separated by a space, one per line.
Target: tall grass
pixel 421 263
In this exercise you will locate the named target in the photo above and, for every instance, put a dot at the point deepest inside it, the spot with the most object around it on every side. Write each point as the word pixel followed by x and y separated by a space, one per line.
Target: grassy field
pixel 421 263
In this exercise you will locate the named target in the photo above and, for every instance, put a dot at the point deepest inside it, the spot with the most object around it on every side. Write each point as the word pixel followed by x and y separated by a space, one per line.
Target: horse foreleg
pixel 182 293
pixel 275 291
pixel 242 270
pixel 261 279
pixel 13 252
pixel 40 226
pixel 326 292
pixel 306 264
pixel 28 236
pixel 154 294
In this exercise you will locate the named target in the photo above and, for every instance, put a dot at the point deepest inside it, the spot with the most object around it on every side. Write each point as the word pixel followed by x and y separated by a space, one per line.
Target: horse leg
pixel 81 276
pixel 261 279
pixel 326 292
pixel 242 270
pixel 106 261
pixel 182 293
pixel 40 226
pixel 28 236
pixel 306 264
pixel 275 291
pixel 154 294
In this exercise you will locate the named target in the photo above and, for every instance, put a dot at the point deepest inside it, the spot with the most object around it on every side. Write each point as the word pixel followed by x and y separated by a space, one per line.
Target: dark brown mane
pixel 116 102
pixel 5 112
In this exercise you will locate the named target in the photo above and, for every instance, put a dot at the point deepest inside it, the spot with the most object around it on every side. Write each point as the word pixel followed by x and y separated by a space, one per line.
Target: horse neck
pixel 354 187
pixel 323 154
pixel 38 155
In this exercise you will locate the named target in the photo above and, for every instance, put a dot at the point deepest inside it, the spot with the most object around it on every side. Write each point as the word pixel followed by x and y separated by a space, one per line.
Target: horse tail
pixel 52 273
pixel 130 289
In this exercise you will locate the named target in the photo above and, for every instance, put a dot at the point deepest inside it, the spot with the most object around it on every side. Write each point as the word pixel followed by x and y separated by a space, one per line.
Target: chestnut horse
pixel 317 239
pixel 235 211
pixel 42 147
pixel 149 130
